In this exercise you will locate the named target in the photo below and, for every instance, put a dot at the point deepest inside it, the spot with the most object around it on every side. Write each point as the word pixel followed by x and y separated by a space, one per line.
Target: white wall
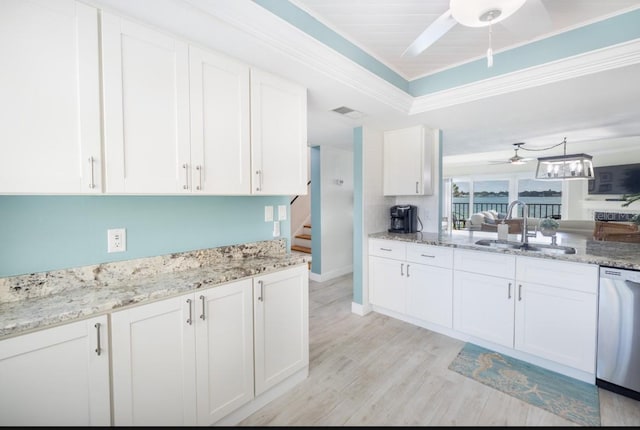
pixel 336 173
pixel 375 206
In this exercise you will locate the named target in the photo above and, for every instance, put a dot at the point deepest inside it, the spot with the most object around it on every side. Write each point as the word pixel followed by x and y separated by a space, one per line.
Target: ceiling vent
pixel 351 113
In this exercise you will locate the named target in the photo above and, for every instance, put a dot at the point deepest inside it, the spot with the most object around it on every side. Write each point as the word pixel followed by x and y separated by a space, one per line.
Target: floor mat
pixel 573 400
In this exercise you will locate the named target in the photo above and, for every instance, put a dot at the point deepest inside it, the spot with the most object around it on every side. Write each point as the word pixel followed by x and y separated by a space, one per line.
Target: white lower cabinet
pixel 186 360
pixel 57 376
pixel 412 279
pixel 281 316
pixel 547 308
pixel 193 359
pixel 557 311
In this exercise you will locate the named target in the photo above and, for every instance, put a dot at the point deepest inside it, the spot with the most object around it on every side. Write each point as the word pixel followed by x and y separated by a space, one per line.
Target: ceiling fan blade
pixel 531 20
pixel 432 33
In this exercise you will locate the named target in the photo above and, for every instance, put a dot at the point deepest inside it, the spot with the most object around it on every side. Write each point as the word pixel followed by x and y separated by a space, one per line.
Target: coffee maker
pixel 404 219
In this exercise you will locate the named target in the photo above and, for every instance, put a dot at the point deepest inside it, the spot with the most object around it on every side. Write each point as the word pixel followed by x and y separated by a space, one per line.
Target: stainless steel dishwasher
pixel 618 360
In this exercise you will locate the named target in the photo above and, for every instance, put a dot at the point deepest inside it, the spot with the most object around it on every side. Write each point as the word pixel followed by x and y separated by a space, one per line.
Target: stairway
pixel 302 241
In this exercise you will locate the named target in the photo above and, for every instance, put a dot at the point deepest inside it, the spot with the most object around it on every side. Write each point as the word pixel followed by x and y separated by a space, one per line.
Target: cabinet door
pixel 483 307
pixel 557 324
pixel 430 293
pixel 224 349
pixel 146 109
pixel 281 326
pixel 407 162
pixel 57 376
pixel 388 283
pixel 220 129
pixel 50 98
pixel 278 135
pixel 153 353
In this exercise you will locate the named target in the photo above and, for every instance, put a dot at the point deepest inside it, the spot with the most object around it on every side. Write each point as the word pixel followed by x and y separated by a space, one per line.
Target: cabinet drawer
pixel 573 276
pixel 387 248
pixel 485 263
pixel 431 255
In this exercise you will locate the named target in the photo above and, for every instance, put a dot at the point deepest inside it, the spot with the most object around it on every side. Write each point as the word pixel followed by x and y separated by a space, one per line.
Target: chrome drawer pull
pixel 509 295
pixel 189 320
pixel 98 349
pixel 428 256
pixel 203 304
pixel 385 249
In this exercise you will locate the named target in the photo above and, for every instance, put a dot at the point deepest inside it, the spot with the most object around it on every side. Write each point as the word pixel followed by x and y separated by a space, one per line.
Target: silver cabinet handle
pixel 189 320
pixel 519 292
pixel 259 173
pixel 509 294
pixel 185 166
pixel 98 349
pixel 92 183
pixel 427 256
pixel 385 249
pixel 402 269
pixel 203 305
pixel 260 297
pixel 199 169
pixel 408 270
pixel 416 187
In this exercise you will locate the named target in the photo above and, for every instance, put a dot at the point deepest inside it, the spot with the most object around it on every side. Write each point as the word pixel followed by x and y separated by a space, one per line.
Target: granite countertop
pixel 36 301
pixel 613 254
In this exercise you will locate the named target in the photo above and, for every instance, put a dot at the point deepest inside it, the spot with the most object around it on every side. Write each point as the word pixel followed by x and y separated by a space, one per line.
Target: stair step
pixel 303 236
pixel 301 249
pixel 307 225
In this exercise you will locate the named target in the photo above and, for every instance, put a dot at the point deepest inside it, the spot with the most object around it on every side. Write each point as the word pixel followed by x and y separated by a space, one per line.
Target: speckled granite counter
pixel 39 300
pixel 614 254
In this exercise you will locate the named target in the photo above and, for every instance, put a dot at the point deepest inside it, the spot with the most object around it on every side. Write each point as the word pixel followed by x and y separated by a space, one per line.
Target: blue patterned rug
pixel 567 397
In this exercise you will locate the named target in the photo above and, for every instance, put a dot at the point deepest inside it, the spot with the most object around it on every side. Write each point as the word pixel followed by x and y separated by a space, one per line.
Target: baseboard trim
pixel 234 418
pixel 330 275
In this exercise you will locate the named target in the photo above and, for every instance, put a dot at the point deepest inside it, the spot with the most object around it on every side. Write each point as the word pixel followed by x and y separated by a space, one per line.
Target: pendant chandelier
pixel 566 166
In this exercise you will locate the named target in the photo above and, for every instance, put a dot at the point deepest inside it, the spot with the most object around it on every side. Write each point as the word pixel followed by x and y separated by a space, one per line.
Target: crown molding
pixel 599 60
pixel 274 31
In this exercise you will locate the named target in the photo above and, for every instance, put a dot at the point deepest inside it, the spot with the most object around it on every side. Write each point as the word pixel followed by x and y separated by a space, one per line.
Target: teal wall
pixel 358 227
pixel 316 210
pixel 42 233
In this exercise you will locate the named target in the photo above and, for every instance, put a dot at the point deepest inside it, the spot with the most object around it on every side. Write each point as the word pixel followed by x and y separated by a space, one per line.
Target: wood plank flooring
pixel 378 371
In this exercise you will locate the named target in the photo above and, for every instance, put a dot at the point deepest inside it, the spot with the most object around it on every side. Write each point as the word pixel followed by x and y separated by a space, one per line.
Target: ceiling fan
pixel 534 19
pixel 516 159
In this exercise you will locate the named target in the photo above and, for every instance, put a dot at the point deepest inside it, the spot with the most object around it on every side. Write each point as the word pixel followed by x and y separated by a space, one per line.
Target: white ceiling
pixel 385 28
pixel 597 105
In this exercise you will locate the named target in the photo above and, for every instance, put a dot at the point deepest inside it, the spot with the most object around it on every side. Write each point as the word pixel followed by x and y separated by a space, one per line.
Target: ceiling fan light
pixel 480 13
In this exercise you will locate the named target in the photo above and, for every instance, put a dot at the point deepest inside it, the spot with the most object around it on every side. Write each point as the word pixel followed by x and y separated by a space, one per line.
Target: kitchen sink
pixel 540 248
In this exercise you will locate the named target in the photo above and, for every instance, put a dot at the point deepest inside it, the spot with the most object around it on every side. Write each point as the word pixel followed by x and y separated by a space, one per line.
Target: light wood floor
pixel 378 371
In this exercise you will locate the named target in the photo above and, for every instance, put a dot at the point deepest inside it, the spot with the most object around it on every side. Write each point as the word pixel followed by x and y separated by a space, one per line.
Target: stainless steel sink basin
pixel 528 247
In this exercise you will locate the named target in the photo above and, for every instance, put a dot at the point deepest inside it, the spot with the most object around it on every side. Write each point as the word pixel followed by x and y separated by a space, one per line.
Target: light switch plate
pixel 268 213
pixel 282 213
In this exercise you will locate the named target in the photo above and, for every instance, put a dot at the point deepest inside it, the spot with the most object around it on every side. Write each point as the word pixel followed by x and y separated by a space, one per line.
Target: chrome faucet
pixel 525 210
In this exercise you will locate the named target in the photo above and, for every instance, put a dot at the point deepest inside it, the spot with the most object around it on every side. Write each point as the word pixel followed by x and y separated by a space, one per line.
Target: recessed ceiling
pixel 385 28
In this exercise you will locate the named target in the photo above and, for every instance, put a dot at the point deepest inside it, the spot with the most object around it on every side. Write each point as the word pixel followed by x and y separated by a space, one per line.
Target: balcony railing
pixel 535 210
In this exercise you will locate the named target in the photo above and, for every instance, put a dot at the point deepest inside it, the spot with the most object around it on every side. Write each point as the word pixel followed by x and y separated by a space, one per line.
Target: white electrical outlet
pixel 276 229
pixel 116 240
pixel 268 213
pixel 282 213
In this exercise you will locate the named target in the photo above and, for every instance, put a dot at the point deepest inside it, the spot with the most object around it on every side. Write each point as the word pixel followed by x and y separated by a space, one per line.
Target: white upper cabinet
pixel 278 135
pixel 220 128
pixel 49 98
pixel 408 161
pixel 146 109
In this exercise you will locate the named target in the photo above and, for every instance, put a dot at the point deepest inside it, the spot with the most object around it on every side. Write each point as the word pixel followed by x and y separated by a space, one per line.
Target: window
pixel 543 198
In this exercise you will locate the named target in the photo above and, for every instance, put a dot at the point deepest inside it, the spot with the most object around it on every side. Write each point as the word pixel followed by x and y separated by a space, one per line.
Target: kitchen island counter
pixel 603 253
